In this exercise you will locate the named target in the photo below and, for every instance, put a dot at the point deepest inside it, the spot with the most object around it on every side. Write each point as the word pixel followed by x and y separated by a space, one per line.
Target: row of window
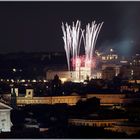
pixel 20 101
pixel 94 124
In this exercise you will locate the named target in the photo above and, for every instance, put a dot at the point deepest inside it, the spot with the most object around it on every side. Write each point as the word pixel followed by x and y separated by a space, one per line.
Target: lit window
pixel 132 72
pixel 103 58
pixel 34 80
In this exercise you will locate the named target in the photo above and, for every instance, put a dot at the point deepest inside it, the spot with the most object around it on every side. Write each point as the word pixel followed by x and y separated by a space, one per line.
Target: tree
pixel 56 86
pixel 89 106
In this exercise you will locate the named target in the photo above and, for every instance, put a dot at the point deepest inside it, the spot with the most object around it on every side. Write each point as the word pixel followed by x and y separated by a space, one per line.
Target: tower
pixel 13 99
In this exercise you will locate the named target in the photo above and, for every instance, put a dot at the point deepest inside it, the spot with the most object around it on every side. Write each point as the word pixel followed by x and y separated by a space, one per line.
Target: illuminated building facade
pixel 103 66
pixel 110 56
pixel 105 99
pixel 95 123
pixel 5 121
pixel 63 75
pixel 83 69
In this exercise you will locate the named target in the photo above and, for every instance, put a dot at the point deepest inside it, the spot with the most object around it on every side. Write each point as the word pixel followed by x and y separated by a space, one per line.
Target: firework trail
pixel 67 42
pixel 72 36
pixel 90 38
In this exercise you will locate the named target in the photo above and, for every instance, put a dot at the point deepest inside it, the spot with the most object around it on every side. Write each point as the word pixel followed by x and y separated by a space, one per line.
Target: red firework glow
pixel 82 62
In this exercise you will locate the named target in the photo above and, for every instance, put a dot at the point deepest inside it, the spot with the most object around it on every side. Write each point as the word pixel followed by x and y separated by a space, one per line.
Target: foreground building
pixel 5 121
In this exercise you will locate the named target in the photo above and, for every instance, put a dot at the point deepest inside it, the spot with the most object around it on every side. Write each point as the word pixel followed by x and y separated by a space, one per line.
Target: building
pixel 128 127
pixel 106 99
pixel 104 123
pixel 110 71
pixel 79 75
pixel 63 75
pixel 110 65
pixel 96 74
pixel 130 72
pixel 5 121
pixel 110 56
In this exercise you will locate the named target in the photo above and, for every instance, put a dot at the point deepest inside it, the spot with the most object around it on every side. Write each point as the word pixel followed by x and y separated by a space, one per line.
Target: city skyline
pixel 69 69
pixel 36 26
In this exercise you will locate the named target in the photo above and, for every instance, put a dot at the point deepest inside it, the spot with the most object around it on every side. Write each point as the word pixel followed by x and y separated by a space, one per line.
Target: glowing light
pixel 98 54
pixel 22 80
pixel 63 80
pixel 81 62
pixel 26 85
pixel 132 72
pixel 14 70
pixel 85 83
pixel 34 81
pixel 123 61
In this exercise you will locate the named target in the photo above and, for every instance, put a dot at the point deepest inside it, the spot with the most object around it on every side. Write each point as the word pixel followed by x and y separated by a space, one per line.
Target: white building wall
pixel 5 122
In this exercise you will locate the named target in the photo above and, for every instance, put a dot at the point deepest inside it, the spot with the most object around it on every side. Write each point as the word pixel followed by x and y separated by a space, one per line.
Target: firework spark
pixel 90 38
pixel 72 37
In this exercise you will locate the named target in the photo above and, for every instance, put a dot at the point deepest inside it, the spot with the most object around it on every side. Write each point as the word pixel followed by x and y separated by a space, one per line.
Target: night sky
pixel 36 26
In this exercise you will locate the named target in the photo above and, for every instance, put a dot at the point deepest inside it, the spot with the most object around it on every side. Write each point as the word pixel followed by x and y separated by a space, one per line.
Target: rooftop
pixel 4 106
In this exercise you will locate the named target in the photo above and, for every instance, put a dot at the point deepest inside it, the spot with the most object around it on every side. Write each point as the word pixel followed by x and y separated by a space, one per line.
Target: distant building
pixel 109 64
pixel 97 74
pixel 106 99
pixel 109 71
pixel 73 76
pixel 111 55
pixel 132 69
pixel 104 123
pixel 27 89
pixel 130 72
pixel 64 75
pixel 5 121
